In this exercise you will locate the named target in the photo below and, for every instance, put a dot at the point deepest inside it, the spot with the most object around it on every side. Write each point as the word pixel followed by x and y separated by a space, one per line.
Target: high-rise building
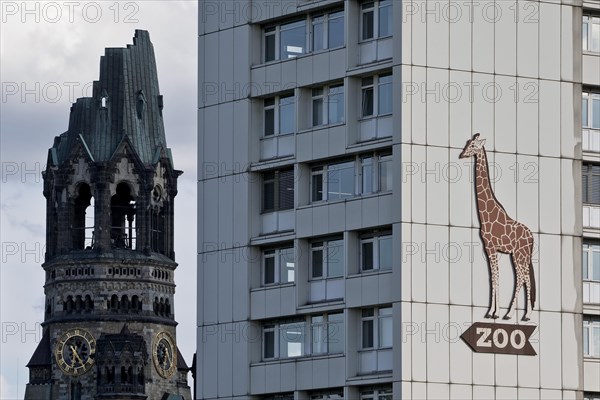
pixel 351 234
pixel 110 183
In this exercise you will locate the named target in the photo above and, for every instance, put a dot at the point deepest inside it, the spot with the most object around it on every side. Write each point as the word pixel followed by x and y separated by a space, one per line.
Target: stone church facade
pixel 109 328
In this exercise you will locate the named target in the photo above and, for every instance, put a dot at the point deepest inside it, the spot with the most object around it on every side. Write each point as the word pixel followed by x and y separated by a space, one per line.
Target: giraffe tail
pixel 532 283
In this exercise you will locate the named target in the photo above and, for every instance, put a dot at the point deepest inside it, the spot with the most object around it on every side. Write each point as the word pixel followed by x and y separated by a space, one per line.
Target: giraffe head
pixel 473 147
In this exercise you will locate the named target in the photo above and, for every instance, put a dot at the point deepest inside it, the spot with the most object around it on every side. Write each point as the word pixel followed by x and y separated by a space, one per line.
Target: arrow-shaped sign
pixel 500 338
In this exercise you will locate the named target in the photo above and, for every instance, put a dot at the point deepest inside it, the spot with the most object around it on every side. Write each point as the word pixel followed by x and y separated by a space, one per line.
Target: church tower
pixel 110 185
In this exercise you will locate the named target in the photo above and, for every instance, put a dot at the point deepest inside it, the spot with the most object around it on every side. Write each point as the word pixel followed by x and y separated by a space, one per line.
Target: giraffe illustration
pixel 500 233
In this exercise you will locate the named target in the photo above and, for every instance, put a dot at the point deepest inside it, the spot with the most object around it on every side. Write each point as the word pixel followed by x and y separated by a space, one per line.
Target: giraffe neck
pixel 483 188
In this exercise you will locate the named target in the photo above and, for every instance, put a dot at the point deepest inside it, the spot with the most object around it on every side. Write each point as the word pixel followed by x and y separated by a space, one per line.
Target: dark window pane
pixel 269 122
pixel 367 25
pixel 269 48
pixel 317 187
pixel 367 334
pixel 269 344
pixel 367 102
pixel 269 270
pixel 367 256
pixel 286 189
pixel 317 263
pixel 269 196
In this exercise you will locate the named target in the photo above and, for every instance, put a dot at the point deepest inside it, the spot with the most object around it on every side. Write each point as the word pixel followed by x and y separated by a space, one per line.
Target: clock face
pixel 75 351
pixel 164 354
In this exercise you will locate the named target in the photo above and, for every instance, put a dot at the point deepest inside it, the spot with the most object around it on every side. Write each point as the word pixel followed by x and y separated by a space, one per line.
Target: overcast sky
pixel 49 55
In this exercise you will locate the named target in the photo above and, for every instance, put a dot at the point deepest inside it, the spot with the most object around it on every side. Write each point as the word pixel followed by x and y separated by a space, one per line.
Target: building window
pixel 376 328
pixel 285 41
pixel 376 19
pixel 328 31
pixel 591 396
pixel 591 337
pixel 337 181
pixel 591 262
pixel 376 251
pixel 590 174
pixel 381 393
pixel 327 333
pixel 331 394
pixel 327 259
pixel 376 95
pixel 590 110
pixel 333 181
pixel 278 266
pixel 591 33
pixel 286 339
pixel 328 105
pixel 279 115
pixel 376 172
pixel 279 396
pixel 283 340
pixel 278 190
pixel 289 40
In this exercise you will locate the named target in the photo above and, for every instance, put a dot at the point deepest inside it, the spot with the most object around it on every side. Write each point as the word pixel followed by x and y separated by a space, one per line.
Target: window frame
pixel 375 86
pixel 589 97
pixel 589 170
pixel 376 7
pixel 593 247
pixel 376 318
pixel 376 393
pixel 305 324
pixel 325 325
pixel 324 95
pixel 324 246
pixel 309 21
pixel 375 238
pixel 276 190
pixel 327 17
pixel 276 253
pixel 361 167
pixel 592 326
pixel 276 107
pixel 589 20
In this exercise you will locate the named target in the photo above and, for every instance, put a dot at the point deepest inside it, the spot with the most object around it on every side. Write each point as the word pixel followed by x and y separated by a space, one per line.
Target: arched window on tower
pixel 83 218
pixel 68 305
pixel 78 304
pixel 157 220
pixel 114 302
pixel 122 211
pixel 135 303
pixel 88 303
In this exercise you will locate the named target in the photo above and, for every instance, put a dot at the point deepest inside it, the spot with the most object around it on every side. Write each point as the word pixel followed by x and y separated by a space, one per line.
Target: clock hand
pixel 76 355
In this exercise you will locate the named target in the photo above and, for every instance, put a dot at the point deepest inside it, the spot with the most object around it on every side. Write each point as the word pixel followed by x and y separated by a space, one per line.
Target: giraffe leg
pixel 518 285
pixel 527 315
pixel 495 300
